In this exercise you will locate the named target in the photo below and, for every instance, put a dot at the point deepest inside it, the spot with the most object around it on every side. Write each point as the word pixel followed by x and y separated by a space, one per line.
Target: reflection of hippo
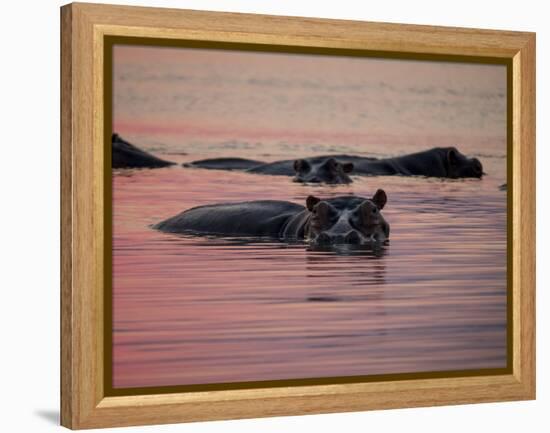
pixel 436 162
pixel 126 155
pixel 346 219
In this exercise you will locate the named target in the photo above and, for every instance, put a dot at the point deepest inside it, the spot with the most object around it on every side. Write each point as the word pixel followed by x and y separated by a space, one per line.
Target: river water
pixel 195 310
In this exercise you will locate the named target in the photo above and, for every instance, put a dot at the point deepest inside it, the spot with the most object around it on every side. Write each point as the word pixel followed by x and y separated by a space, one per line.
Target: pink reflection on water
pixel 196 310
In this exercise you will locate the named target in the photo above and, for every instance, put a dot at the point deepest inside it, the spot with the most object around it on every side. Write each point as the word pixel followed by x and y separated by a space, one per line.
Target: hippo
pixel 339 220
pixel 126 155
pixel 445 162
pixel 326 169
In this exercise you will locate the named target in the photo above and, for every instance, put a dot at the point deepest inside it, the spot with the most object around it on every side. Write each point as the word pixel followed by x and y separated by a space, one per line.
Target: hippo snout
pixel 323 239
pixel 352 237
pixel 306 180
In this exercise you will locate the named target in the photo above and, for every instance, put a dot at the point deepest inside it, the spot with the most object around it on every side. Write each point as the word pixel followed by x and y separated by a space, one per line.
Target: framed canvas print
pixel 270 216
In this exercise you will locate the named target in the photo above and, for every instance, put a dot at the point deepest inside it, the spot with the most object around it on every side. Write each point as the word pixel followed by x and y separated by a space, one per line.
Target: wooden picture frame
pixel 84 225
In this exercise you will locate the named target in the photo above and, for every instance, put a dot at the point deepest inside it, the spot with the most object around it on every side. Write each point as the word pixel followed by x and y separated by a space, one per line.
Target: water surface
pixel 192 310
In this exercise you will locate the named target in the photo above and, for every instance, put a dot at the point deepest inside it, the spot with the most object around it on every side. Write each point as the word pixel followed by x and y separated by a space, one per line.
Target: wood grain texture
pixel 524 215
pixel 84 26
pixel 234 27
pixel 67 385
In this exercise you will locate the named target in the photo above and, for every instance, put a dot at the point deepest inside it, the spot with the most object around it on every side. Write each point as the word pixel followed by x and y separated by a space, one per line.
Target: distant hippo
pixel 339 220
pixel 321 169
pixel 126 155
pixel 445 162
pixel 326 169
pixel 437 162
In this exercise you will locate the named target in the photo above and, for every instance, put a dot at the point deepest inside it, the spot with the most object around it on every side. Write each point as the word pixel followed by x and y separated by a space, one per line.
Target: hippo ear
pixel 311 201
pixel 115 137
pixel 301 165
pixel 452 156
pixel 380 199
pixel 348 167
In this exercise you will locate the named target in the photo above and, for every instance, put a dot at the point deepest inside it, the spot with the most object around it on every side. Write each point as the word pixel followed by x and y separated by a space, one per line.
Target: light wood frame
pixel 83 401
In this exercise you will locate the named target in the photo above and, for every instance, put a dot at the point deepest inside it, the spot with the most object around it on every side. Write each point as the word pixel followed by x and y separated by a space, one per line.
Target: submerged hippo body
pixel 445 162
pixel 126 155
pixel 346 219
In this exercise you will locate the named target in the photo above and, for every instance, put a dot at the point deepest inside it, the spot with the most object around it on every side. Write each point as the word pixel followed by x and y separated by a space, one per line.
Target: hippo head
pixel 458 165
pixel 328 170
pixel 349 220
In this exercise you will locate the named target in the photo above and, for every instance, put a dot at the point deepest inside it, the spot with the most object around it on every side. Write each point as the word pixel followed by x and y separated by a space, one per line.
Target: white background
pixel 29 218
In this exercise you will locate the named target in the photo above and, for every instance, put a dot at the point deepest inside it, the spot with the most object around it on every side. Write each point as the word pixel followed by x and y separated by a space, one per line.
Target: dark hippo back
pixel 126 155
pixel 253 218
pixel 224 163
pixel 437 162
pixel 277 168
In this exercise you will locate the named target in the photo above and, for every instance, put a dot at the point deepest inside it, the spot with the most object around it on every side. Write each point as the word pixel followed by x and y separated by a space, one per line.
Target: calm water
pixel 190 310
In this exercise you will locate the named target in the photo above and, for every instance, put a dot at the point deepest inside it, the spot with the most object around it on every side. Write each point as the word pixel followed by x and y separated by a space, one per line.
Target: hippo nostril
pixel 337 238
pixel 323 238
pixel 352 238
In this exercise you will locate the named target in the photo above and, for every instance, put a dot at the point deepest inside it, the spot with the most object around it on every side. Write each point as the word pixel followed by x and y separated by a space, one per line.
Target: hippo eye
pixel 374 210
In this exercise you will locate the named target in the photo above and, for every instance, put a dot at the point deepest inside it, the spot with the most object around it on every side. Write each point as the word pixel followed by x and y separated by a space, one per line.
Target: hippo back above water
pixel 126 155
pixel 339 220
pixel 446 162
